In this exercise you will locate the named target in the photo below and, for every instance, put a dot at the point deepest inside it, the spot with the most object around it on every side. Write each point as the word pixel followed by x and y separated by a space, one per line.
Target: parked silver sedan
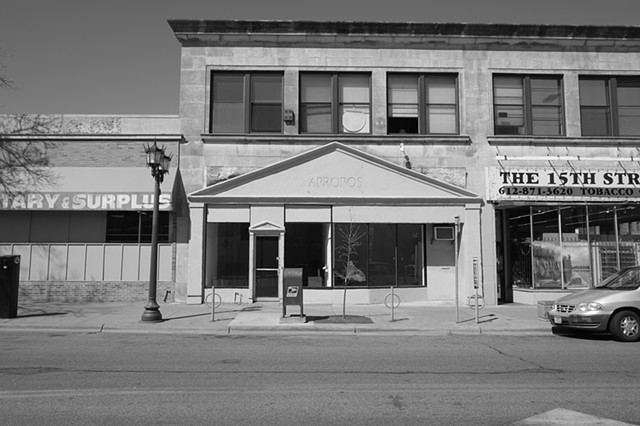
pixel 613 306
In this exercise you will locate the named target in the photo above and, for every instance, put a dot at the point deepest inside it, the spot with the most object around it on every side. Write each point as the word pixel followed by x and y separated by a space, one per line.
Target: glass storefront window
pixel 305 247
pixel 518 252
pixel 547 252
pixel 628 221
pixel 569 247
pixel 136 227
pixel 387 254
pixel 350 252
pixel 576 261
pixel 227 264
pixel 602 234
pixel 382 270
pixel 410 255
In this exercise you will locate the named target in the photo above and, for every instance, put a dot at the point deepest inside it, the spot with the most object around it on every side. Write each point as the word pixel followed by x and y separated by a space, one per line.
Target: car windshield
pixel 628 279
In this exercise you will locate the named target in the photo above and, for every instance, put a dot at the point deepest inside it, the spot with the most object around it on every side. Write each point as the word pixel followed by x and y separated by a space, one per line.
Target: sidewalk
pixel 429 318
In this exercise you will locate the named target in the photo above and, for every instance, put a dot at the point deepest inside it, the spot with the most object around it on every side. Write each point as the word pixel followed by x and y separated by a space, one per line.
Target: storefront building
pixel 585 229
pixel 433 158
pixel 315 209
pixel 297 133
pixel 83 229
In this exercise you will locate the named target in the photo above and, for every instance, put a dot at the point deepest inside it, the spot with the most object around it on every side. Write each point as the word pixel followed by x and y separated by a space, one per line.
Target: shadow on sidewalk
pixel 41 314
pixel 337 319
pixel 205 314
pixel 187 316
pixel 481 319
pixel 46 311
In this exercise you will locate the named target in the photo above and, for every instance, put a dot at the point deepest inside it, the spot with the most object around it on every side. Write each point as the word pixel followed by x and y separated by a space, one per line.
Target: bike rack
pixel 392 301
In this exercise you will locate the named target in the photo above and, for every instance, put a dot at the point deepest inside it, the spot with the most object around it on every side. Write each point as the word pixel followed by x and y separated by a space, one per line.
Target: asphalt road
pixel 113 378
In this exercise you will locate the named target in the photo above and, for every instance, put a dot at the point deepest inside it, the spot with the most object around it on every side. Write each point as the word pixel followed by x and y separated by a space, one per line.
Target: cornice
pixel 395 35
pixel 92 137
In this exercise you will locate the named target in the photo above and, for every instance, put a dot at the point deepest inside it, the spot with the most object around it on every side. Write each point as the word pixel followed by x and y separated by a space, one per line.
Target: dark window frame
pixel 248 102
pixel 612 107
pixel 119 221
pixel 335 103
pixel 423 104
pixel 528 105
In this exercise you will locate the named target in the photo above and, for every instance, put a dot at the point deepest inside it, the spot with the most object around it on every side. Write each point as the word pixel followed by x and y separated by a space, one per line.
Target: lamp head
pixel 154 154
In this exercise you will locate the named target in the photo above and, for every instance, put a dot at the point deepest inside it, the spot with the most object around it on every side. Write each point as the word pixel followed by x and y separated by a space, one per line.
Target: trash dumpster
pixel 9 279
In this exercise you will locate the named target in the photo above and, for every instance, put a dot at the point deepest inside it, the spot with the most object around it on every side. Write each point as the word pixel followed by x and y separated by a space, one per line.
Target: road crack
pixel 526 361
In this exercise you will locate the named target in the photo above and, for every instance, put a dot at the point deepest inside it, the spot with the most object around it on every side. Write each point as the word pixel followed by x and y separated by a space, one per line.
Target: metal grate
pixel 565 308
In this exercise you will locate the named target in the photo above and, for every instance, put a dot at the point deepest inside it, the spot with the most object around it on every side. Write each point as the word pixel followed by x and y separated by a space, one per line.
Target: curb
pixel 285 330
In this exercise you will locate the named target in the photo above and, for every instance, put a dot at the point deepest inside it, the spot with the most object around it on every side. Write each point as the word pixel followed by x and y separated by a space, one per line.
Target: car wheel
pixel 625 326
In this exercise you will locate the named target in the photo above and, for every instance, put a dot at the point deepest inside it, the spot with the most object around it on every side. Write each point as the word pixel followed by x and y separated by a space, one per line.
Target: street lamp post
pixel 158 161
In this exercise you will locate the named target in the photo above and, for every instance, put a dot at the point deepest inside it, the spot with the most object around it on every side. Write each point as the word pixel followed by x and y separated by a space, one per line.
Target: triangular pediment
pixel 266 226
pixel 332 172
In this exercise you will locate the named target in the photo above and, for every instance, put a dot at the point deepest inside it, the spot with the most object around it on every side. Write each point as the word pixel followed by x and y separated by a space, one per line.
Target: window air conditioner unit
pixel 443 233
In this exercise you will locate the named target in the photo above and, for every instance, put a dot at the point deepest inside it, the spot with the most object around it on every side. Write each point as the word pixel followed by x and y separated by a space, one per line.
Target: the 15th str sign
pixel 554 184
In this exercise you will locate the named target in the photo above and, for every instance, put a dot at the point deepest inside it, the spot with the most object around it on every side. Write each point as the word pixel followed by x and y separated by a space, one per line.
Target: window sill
pixel 344 138
pixel 563 140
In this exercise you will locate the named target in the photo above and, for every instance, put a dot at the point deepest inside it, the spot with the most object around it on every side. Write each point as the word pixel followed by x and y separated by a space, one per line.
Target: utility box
pixel 292 290
pixel 9 283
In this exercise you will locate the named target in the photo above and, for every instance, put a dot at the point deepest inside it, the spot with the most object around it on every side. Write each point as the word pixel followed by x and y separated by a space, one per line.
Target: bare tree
pixel 351 239
pixel 24 152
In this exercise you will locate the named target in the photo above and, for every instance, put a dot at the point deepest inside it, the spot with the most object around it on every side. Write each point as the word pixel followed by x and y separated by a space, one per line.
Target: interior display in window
pixel 576 265
pixel 575 247
pixel 547 264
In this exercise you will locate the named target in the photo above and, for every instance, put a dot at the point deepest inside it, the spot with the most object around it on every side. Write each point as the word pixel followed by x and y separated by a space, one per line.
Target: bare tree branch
pixel 24 160
pixel 351 238
pixel 5 83
pixel 24 152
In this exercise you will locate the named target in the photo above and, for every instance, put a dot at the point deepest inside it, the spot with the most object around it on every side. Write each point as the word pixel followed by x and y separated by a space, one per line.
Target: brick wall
pixel 91 291
pixel 101 153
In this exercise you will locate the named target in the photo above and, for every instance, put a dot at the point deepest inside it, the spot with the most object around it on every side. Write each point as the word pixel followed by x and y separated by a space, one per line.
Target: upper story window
pixel 528 105
pixel 335 103
pixel 610 106
pixel 246 102
pixel 424 103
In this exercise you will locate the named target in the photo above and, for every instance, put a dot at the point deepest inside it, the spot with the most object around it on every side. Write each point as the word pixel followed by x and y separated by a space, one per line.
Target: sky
pixel 121 57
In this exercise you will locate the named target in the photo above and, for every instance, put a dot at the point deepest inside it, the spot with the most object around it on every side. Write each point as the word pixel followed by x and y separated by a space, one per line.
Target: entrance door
pixel 266 267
